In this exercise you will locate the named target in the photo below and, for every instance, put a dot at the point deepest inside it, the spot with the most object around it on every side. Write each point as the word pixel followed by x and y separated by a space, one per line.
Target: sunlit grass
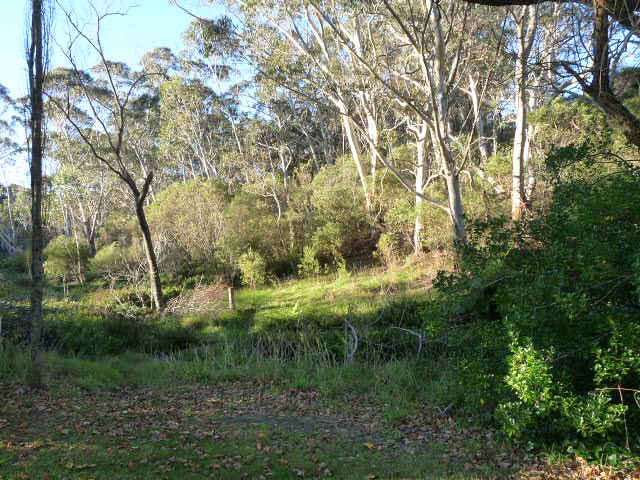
pixel 329 299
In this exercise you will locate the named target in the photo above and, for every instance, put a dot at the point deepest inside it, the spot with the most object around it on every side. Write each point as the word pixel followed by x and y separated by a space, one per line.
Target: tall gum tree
pixel 37 56
pixel 594 74
pixel 526 21
pixel 110 106
pixel 431 62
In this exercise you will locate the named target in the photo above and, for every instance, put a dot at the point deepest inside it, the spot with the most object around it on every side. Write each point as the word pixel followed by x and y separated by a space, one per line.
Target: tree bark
pixel 456 207
pixel 420 172
pixel 484 147
pixel 526 26
pixel 35 63
pixel 152 261
pixel 355 153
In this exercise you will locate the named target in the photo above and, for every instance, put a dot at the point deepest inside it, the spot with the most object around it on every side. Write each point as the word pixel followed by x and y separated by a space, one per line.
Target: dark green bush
pixel 75 329
pixel 66 258
pixel 545 316
pixel 17 263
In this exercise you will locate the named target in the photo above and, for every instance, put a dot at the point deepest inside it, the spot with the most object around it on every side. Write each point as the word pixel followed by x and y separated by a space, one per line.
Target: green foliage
pixel 389 248
pixel 252 225
pixel 499 165
pixel 253 268
pixel 108 261
pixel 343 229
pixel 66 258
pixel 563 123
pixel 309 265
pixel 5 286
pixel 188 223
pixel 76 329
pixel 561 294
pixel 17 263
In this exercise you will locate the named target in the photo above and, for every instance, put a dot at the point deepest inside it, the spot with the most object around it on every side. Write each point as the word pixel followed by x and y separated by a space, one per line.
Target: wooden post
pixel 232 299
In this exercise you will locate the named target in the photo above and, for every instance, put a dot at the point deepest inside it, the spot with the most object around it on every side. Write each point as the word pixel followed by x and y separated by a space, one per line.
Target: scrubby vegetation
pixel 378 227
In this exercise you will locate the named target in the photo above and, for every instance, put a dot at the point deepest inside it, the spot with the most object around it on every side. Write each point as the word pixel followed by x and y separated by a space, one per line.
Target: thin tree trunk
pixel 456 208
pixel 484 147
pixel 519 145
pixel 355 153
pixel 88 229
pixel 10 211
pixel 526 26
pixel 152 261
pixel 35 63
pixel 420 170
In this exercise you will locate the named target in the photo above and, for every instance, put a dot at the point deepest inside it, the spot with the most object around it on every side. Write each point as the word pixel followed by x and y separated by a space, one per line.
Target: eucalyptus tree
pixel 37 58
pixel 423 51
pixel 526 21
pixel 539 36
pixel 84 191
pixel 110 101
pixel 603 32
pixel 8 150
pixel 303 56
pixel 195 125
pixel 379 65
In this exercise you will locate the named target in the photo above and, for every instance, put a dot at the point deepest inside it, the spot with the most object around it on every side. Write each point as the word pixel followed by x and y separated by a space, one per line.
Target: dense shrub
pixel 66 258
pixel 546 314
pixel 390 248
pixel 253 226
pixel 114 262
pixel 253 268
pixel 76 329
pixel 16 263
pixel 188 223
pixel 309 265
pixel 343 228
pixel 5 286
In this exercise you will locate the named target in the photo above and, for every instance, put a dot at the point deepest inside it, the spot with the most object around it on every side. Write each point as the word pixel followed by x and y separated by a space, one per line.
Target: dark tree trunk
pixel 627 14
pixel 35 63
pixel 600 88
pixel 152 261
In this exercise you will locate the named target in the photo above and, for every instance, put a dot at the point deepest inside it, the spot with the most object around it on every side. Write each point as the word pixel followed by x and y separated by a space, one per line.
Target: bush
pixel 66 258
pixel 309 265
pixel 188 222
pixel 389 248
pixel 76 329
pixel 545 315
pixel 253 226
pixel 253 268
pixel 107 261
pixel 16 263
pixel 4 286
pixel 343 228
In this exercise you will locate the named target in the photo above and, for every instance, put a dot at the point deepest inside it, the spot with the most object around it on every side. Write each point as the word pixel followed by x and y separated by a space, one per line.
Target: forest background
pixel 462 176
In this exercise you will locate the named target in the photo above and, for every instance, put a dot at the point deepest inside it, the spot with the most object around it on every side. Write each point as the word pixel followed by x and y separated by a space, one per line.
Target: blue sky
pixel 149 24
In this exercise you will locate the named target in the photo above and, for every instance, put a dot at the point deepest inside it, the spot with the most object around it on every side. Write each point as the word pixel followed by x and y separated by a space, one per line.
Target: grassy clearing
pixel 228 430
pixel 249 452
pixel 384 415
pixel 399 387
pixel 329 298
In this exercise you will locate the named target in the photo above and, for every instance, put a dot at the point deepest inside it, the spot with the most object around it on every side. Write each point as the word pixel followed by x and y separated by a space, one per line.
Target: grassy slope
pixel 74 442
pixel 333 296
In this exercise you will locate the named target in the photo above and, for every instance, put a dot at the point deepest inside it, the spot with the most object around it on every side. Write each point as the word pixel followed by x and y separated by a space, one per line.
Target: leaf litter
pixel 33 422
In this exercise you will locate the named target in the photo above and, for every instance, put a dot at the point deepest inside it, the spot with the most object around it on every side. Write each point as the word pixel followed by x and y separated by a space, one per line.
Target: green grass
pixel 249 452
pixel 331 297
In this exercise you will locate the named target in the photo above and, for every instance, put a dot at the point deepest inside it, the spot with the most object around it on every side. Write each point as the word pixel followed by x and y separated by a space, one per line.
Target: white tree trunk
pixel 419 186
pixel 357 158
pixel 526 27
